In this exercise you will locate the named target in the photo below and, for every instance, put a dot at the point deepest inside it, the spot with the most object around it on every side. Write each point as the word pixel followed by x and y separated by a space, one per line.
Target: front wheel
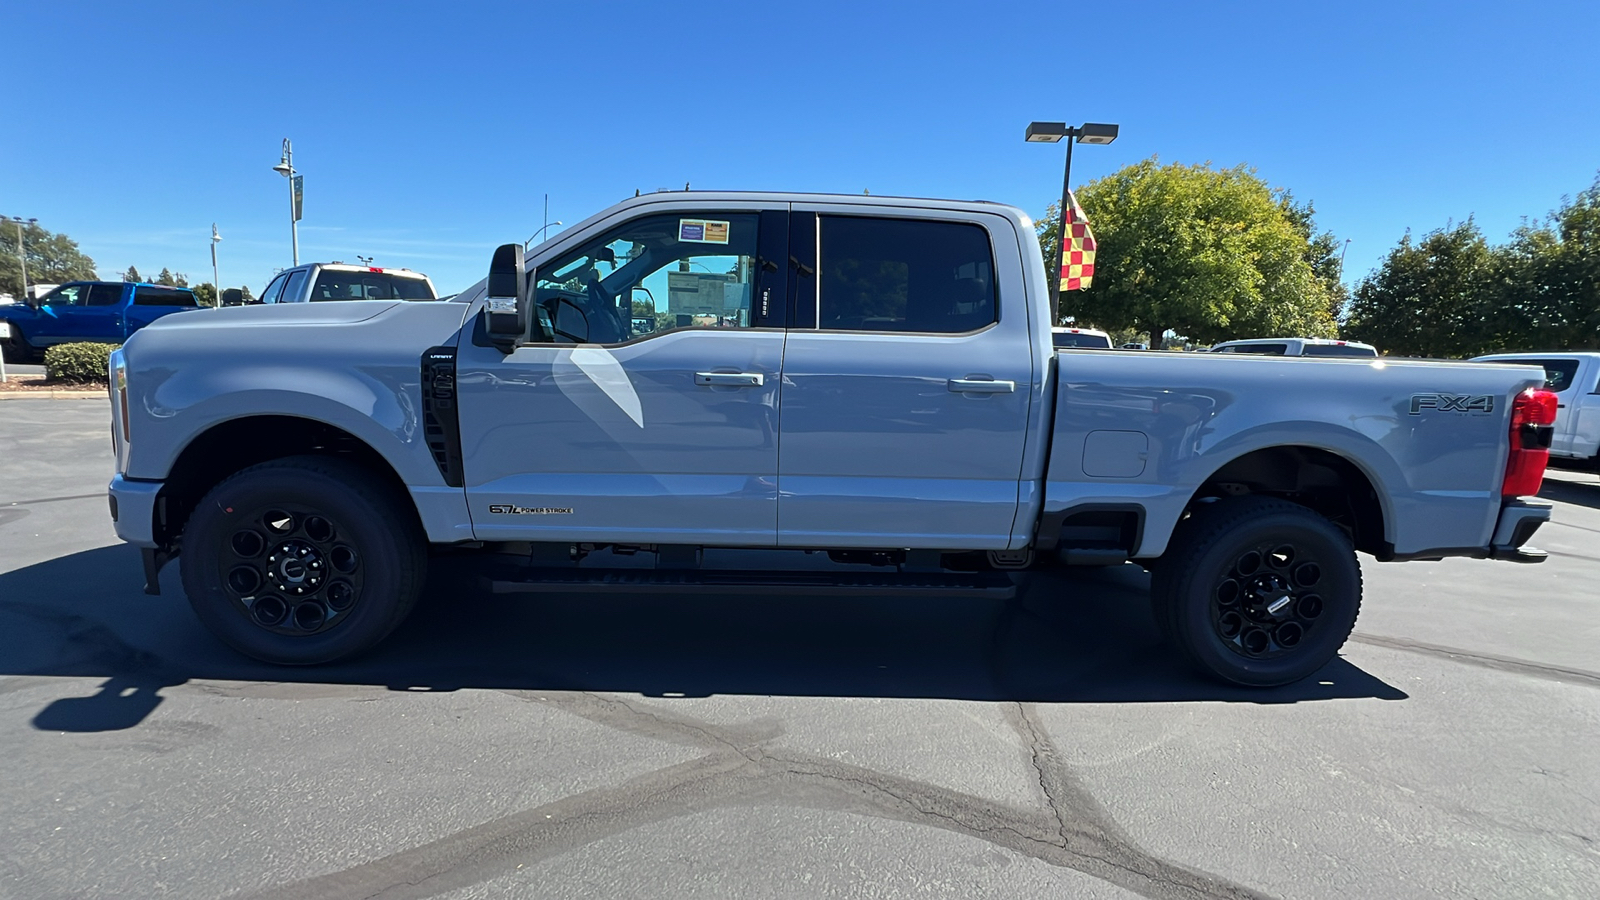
pixel 17 349
pixel 1257 591
pixel 302 560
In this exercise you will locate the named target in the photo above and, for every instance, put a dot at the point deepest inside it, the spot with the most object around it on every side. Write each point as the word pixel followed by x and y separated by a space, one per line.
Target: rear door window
pixel 104 294
pixel 274 289
pixel 879 274
pixel 294 291
pixel 1558 373
pixel 163 296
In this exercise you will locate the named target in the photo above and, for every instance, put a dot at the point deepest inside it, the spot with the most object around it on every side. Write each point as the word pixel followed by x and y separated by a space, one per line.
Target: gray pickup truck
pixel 862 379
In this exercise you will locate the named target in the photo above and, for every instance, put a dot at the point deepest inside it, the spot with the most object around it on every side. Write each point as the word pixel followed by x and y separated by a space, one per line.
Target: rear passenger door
pixel 906 381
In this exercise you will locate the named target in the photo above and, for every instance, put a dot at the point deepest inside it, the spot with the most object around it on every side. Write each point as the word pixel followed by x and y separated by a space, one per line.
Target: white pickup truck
pixel 871 380
pixel 1575 380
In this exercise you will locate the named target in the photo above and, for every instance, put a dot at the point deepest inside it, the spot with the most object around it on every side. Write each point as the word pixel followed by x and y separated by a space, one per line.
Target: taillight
pixel 1532 415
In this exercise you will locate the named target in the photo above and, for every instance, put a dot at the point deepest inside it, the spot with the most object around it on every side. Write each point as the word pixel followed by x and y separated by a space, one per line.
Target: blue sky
pixel 428 133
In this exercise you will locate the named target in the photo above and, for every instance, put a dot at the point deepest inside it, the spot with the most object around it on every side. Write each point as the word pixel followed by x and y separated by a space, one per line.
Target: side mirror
pixel 232 297
pixel 506 310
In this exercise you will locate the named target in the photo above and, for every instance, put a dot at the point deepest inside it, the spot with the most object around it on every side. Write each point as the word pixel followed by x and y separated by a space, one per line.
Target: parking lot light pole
pixel 216 282
pixel 285 167
pixel 1050 133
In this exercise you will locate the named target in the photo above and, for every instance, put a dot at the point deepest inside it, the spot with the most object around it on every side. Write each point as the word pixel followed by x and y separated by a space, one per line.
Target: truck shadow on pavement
pixel 1085 636
pixel 1575 492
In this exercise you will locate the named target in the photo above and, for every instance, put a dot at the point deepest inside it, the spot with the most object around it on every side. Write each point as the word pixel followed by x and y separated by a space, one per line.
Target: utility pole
pixel 22 256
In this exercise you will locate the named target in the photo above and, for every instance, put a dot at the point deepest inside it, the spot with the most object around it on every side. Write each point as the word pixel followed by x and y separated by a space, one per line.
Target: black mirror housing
pixel 506 309
pixel 231 297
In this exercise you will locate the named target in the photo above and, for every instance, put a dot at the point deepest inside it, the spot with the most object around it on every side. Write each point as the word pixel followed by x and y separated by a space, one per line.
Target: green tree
pixel 1547 288
pixel 132 275
pixel 245 295
pixel 1211 254
pixel 1433 297
pixel 53 258
pixel 205 293
pixel 1323 253
pixel 170 279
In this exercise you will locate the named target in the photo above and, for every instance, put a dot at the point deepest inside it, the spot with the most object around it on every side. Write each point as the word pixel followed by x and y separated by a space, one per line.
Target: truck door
pixel 906 382
pixel 79 312
pixel 151 303
pixel 645 409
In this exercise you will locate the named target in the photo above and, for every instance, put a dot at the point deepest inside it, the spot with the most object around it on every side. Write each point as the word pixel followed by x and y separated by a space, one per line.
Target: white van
pixel 1297 347
pixel 1575 377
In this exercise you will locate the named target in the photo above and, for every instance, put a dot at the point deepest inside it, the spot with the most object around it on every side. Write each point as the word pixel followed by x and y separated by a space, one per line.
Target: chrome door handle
pixel 981 386
pixel 730 379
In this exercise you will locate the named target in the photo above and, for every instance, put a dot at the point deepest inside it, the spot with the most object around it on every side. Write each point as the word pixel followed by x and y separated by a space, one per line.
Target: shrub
pixel 77 363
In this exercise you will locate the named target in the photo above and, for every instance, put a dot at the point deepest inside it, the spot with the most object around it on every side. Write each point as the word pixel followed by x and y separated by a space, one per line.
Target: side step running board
pixel 991 586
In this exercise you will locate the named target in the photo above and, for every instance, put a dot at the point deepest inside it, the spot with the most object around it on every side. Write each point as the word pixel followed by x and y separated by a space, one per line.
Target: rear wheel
pixel 302 560
pixel 1257 591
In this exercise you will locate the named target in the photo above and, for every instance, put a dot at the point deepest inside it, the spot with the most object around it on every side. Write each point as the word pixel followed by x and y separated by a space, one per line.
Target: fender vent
pixel 440 422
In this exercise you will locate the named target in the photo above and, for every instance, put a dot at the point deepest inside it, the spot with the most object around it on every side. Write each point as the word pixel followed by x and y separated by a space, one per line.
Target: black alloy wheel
pixel 290 573
pixel 1257 591
pixel 303 560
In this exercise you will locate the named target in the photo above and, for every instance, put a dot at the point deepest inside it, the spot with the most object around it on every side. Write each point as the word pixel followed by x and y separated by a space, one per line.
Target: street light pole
pixel 1050 133
pixel 285 167
pixel 216 282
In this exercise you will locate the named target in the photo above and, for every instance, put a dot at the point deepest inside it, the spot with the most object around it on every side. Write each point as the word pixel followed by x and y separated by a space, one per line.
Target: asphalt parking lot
pixel 793 747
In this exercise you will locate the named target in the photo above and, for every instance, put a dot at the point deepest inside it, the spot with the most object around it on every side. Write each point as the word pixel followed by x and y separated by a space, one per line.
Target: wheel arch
pixel 232 445
pixel 1333 484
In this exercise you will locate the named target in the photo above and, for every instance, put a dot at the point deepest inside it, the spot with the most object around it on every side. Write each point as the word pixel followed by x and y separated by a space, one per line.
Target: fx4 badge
pixel 1462 403
pixel 508 510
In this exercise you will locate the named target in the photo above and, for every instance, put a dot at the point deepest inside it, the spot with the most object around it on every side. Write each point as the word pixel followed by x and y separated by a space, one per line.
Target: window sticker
pixel 702 231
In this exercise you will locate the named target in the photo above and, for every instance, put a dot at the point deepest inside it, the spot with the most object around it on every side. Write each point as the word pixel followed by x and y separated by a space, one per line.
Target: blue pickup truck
pixel 105 312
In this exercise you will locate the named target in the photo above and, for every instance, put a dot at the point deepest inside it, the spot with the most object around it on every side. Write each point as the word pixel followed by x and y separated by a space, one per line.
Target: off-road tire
pixel 355 546
pixel 1213 546
pixel 17 349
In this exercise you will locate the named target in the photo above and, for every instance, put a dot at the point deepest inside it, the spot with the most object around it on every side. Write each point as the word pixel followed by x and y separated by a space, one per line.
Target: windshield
pixel 1070 340
pixel 333 284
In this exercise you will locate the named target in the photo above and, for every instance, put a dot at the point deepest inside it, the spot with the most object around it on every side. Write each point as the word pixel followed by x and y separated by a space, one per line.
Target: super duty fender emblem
pixel 505 509
pixel 1461 403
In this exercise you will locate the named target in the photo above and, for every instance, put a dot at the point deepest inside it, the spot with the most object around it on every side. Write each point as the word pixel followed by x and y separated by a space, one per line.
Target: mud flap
pixel 154 559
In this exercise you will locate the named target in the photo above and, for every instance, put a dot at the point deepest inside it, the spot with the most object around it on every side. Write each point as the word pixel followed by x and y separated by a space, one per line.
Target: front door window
pixel 653 275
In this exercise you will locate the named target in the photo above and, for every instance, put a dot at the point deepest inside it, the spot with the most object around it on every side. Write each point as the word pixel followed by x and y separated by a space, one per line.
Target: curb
pixel 53 395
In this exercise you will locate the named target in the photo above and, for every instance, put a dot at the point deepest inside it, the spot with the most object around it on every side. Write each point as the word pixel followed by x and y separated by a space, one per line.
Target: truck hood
pixel 344 312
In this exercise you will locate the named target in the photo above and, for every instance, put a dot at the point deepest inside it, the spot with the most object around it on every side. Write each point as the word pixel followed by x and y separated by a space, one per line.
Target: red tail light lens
pixel 1532 414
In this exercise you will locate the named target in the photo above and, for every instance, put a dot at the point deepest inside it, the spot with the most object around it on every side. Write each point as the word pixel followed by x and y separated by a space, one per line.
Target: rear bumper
pixel 133 507
pixel 1519 519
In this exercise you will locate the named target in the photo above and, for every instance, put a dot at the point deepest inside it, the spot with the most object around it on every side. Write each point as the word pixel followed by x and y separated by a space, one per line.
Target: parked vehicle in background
pixel 1575 379
pixel 303 460
pixel 106 312
pixel 1079 339
pixel 1134 346
pixel 320 282
pixel 1297 347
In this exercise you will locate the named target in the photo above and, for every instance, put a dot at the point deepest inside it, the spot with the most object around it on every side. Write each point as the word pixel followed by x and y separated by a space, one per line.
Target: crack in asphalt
pixel 1493 661
pixel 739 771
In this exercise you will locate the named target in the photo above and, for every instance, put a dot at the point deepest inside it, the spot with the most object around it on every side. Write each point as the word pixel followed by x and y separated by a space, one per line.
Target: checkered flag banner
pixel 1077 248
